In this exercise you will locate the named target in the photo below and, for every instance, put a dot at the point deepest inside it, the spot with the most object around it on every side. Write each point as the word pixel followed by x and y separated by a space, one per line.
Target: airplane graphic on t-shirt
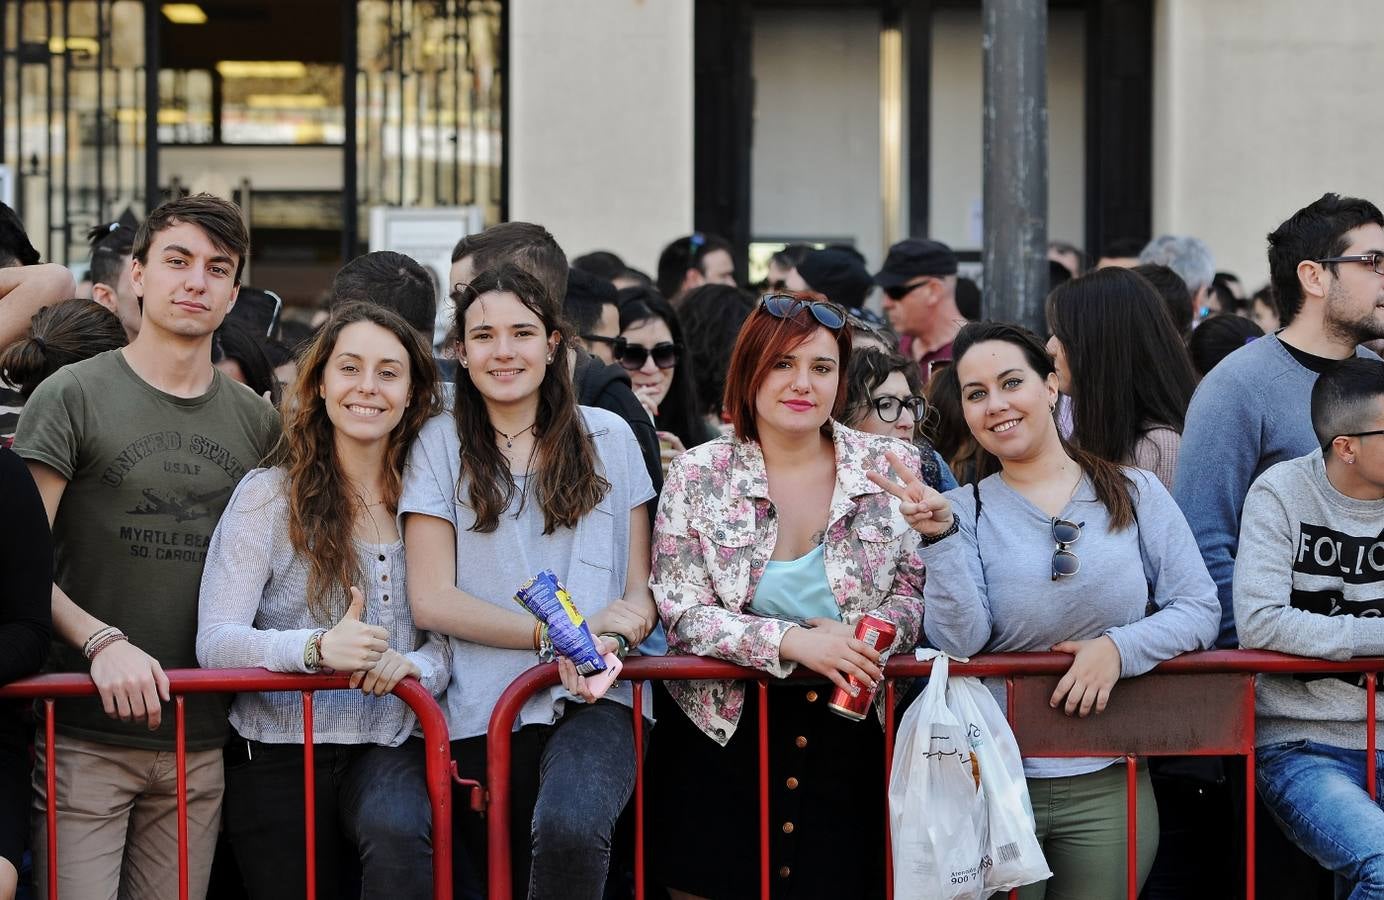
pixel 182 507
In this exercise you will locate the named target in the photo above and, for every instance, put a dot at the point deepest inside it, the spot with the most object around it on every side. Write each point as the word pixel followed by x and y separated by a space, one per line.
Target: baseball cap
pixel 840 275
pixel 915 257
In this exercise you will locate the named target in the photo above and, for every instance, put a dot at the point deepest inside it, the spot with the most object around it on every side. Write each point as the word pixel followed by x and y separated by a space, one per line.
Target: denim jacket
pixel 715 531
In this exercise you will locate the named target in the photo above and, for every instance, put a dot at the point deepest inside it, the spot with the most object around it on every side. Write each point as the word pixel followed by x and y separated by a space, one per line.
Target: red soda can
pixel 878 634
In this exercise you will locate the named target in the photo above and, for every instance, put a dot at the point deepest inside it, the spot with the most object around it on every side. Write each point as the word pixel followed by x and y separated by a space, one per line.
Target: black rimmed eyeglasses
pixel 1361 433
pixel 786 306
pixel 1064 534
pixel 1374 260
pixel 889 408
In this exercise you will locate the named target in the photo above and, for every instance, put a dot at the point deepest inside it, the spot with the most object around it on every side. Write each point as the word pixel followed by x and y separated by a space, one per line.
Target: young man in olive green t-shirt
pixel 136 453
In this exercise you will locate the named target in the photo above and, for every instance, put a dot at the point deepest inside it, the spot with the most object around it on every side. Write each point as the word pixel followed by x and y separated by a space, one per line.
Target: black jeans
pixel 569 781
pixel 371 805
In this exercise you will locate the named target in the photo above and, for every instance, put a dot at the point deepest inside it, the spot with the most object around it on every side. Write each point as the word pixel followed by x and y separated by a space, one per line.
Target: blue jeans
pixel 569 781
pixel 1316 793
pixel 372 814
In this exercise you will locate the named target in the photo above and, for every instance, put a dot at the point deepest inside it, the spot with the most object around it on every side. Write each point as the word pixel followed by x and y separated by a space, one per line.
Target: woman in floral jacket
pixel 768 547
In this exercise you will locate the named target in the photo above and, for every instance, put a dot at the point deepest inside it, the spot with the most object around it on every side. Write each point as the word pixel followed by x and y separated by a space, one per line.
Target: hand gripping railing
pixel 1198 704
pixel 48 688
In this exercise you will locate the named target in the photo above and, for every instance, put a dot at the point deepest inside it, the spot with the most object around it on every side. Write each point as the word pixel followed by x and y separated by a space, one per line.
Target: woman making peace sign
pixel 1058 551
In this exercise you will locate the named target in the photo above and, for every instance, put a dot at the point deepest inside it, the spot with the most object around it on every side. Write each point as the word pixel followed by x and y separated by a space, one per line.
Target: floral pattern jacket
pixel 716 529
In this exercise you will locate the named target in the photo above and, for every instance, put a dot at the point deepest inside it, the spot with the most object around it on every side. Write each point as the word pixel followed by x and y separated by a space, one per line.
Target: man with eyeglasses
pixel 1326 265
pixel 919 284
pixel 1252 411
pixel 1309 580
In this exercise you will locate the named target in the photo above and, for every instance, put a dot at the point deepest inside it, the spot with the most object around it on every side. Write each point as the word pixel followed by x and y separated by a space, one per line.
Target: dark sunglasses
pixel 1064 561
pixel 633 356
pixel 889 408
pixel 601 339
pixel 784 306
pixel 899 291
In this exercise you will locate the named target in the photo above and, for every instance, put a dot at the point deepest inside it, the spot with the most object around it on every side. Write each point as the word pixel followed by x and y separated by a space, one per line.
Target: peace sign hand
pixel 925 510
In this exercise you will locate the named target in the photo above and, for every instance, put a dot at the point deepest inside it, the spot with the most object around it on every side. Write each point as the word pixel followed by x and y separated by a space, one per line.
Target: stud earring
pixel 550 358
pixel 464 364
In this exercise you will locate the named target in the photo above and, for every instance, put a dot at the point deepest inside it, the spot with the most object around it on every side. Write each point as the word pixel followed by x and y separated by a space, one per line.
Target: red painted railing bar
pixel 497 772
pixel 763 688
pixel 47 688
pixel 439 776
pixel 180 754
pixel 889 698
pixel 1009 717
pixel 50 780
pixel 309 798
pixel 1132 827
pixel 638 698
pixel 1247 713
pixel 1371 777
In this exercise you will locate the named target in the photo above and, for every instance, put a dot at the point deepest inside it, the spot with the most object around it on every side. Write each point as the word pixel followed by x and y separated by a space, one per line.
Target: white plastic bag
pixel 937 813
pixel 1014 855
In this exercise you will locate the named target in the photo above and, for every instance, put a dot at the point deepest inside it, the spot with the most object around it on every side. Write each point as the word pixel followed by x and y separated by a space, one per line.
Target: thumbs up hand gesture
pixel 925 510
pixel 351 645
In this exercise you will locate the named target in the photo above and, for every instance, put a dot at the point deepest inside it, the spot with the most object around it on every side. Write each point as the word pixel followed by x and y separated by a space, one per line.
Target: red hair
pixel 763 340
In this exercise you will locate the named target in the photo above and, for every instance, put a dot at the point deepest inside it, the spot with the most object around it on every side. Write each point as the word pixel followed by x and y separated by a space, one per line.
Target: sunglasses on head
pixel 633 356
pixel 1064 561
pixel 785 306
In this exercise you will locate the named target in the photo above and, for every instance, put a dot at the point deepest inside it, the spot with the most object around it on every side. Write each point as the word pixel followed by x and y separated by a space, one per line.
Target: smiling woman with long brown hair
pixel 306 572
pixel 519 480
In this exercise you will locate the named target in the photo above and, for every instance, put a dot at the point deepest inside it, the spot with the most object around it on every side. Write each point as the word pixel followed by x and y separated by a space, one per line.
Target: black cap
pixel 914 257
pixel 838 274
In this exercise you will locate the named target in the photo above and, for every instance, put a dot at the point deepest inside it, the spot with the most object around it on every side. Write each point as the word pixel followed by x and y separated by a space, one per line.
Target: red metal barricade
pixel 47 688
pixel 1198 704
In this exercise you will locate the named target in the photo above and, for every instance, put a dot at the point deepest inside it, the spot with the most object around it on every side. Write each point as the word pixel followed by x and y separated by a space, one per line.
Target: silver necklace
pixel 509 438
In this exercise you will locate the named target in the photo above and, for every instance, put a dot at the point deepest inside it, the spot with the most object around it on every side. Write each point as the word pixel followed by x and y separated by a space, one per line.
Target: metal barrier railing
pixel 49 688
pixel 1198 704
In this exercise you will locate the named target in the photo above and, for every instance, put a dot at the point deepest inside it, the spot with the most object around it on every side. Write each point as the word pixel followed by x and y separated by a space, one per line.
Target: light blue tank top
pixel 796 589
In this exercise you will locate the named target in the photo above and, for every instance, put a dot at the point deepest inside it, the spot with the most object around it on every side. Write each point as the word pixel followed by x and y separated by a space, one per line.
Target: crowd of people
pixel 196 479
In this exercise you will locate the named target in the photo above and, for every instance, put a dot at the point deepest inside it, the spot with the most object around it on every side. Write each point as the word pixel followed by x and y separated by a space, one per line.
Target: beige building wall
pixel 1261 106
pixel 955 185
pixel 815 170
pixel 600 123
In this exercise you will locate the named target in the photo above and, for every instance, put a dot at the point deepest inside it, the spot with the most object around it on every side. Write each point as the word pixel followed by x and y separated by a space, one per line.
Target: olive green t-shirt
pixel 148 477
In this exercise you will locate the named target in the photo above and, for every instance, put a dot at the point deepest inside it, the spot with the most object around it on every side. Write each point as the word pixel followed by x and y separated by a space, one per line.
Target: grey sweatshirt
pixel 989 587
pixel 1309 580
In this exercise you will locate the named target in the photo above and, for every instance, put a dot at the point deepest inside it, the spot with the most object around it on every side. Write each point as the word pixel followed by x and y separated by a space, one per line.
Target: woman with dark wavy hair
pixel 885 396
pixel 305 572
pixel 521 480
pixel 1119 357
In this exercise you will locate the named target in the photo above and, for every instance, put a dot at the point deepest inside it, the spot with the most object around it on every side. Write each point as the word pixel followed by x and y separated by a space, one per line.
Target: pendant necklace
pixel 509 438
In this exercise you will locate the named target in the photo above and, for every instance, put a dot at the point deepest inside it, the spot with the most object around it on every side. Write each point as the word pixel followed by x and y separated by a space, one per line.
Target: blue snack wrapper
pixel 545 597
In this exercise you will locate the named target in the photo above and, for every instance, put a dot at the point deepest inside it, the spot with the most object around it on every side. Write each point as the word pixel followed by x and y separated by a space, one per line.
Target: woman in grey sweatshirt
pixel 1059 551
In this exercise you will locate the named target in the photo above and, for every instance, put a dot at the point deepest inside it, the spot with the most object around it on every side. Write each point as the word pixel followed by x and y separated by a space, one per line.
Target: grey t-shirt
pixel 148 476
pixel 590 560
pixel 989 587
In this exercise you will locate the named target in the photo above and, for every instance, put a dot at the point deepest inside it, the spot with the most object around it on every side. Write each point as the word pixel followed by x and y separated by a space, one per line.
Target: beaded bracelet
pixel 113 637
pixel 97 636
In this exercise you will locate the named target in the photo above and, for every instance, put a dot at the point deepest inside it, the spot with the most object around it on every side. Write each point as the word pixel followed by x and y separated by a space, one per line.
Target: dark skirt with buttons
pixel 826 801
